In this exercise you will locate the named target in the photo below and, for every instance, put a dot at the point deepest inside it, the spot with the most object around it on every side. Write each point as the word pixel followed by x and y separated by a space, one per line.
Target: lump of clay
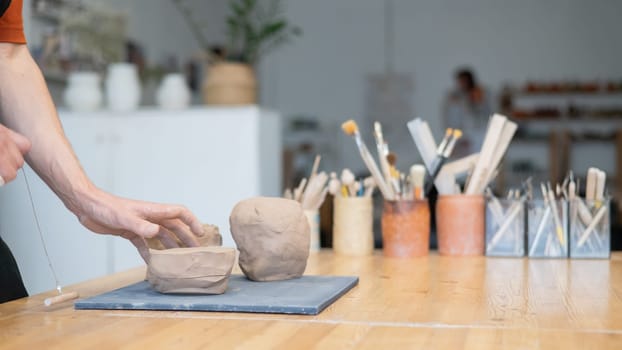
pixel 211 237
pixel 199 270
pixel 272 235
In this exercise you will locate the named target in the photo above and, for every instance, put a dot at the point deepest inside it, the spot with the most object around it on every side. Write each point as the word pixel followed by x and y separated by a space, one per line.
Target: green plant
pixel 254 29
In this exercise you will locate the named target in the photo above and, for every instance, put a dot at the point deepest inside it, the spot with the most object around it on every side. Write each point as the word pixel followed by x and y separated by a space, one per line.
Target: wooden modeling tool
pixel 558 224
pixel 369 185
pixel 498 136
pixel 316 165
pixel 333 184
pixel 586 234
pixel 383 151
pixel 543 220
pixel 598 179
pixel 350 128
pixel 424 140
pixel 417 176
pixel 590 185
pixel 601 178
pixel 61 297
pixel 495 207
pixel 299 190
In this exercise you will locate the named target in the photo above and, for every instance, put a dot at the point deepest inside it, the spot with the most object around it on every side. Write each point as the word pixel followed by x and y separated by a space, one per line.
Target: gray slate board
pixel 308 295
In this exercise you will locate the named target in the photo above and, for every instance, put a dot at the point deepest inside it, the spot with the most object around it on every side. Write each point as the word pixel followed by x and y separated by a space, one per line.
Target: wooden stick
pixel 480 175
pixel 586 234
pixel 60 298
pixel 509 219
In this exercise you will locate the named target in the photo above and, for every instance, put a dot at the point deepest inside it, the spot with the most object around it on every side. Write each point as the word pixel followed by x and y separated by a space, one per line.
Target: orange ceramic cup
pixel 460 224
pixel 406 228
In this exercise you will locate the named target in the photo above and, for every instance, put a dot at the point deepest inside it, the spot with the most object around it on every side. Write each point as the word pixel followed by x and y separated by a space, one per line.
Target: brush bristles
pixel 349 127
pixel 457 133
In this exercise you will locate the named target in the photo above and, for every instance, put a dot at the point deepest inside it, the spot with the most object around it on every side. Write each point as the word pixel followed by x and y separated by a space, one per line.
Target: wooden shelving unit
pixel 583 117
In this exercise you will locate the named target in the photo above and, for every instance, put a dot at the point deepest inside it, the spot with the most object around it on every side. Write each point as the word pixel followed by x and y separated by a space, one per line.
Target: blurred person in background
pixel 467 107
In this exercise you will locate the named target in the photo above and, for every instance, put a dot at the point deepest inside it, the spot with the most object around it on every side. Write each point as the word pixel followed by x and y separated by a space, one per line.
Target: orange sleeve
pixel 11 25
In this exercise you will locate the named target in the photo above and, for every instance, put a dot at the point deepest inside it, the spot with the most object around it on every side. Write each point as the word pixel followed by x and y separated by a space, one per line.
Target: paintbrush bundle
pixel 348 186
pixel 590 229
pixel 393 184
pixel 310 193
pixel 439 173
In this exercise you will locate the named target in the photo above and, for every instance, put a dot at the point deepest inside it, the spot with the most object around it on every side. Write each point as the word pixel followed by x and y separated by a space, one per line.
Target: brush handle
pixel 432 173
pixel 373 169
pixel 558 225
pixel 540 230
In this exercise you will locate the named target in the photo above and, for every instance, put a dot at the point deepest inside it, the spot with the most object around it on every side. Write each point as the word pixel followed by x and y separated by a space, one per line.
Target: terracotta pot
pixel 406 228
pixel 460 224
pixel 353 221
pixel 230 83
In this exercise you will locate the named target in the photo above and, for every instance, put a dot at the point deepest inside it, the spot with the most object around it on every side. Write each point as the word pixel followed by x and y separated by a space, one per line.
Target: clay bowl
pixel 199 270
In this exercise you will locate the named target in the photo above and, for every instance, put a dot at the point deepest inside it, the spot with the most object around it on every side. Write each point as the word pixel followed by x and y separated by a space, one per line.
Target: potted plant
pixel 254 28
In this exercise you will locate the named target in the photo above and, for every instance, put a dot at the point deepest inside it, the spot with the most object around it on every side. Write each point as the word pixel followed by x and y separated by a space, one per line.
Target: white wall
pixel 323 72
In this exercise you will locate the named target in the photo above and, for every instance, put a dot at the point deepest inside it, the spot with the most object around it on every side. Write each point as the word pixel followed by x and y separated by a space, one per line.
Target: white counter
pixel 204 158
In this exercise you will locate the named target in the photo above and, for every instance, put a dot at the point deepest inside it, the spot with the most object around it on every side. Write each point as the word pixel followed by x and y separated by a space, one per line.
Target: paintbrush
pixel 369 183
pixel 333 184
pixel 441 156
pixel 383 151
pixel 445 141
pixel 417 176
pixel 350 128
pixel 348 179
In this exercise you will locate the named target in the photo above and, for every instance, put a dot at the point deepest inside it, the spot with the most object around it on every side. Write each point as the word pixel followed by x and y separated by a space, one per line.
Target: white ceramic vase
pixel 83 92
pixel 122 87
pixel 173 92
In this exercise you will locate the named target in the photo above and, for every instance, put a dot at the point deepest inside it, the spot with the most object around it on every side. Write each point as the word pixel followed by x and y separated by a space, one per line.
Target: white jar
pixel 173 92
pixel 83 92
pixel 122 87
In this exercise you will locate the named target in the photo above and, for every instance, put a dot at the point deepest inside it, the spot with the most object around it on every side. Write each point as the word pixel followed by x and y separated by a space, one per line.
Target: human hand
pixel 172 225
pixel 13 147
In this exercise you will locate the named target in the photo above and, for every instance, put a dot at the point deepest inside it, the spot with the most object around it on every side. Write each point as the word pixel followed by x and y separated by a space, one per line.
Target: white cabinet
pixel 204 158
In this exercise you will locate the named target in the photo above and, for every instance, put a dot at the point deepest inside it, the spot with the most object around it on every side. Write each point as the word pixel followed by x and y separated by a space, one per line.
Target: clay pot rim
pixel 465 197
pixel 352 198
pixel 406 201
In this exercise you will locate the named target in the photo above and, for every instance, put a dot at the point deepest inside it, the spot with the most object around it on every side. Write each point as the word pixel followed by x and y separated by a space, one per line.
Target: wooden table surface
pixel 426 303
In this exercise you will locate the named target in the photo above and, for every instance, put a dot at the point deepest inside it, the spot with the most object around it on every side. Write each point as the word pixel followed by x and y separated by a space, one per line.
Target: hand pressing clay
pixel 272 235
pixel 211 237
pixel 200 270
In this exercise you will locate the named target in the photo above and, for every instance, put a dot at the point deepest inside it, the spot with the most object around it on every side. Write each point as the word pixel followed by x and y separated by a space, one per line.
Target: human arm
pixel 27 108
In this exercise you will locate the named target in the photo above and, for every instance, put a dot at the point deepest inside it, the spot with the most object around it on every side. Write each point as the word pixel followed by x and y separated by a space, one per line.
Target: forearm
pixel 26 107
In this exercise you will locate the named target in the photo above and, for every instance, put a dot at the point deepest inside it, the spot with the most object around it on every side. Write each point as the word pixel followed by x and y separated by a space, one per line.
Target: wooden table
pixel 432 302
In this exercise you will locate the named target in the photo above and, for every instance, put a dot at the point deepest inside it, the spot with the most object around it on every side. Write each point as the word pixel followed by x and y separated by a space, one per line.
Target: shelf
pixel 568 93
